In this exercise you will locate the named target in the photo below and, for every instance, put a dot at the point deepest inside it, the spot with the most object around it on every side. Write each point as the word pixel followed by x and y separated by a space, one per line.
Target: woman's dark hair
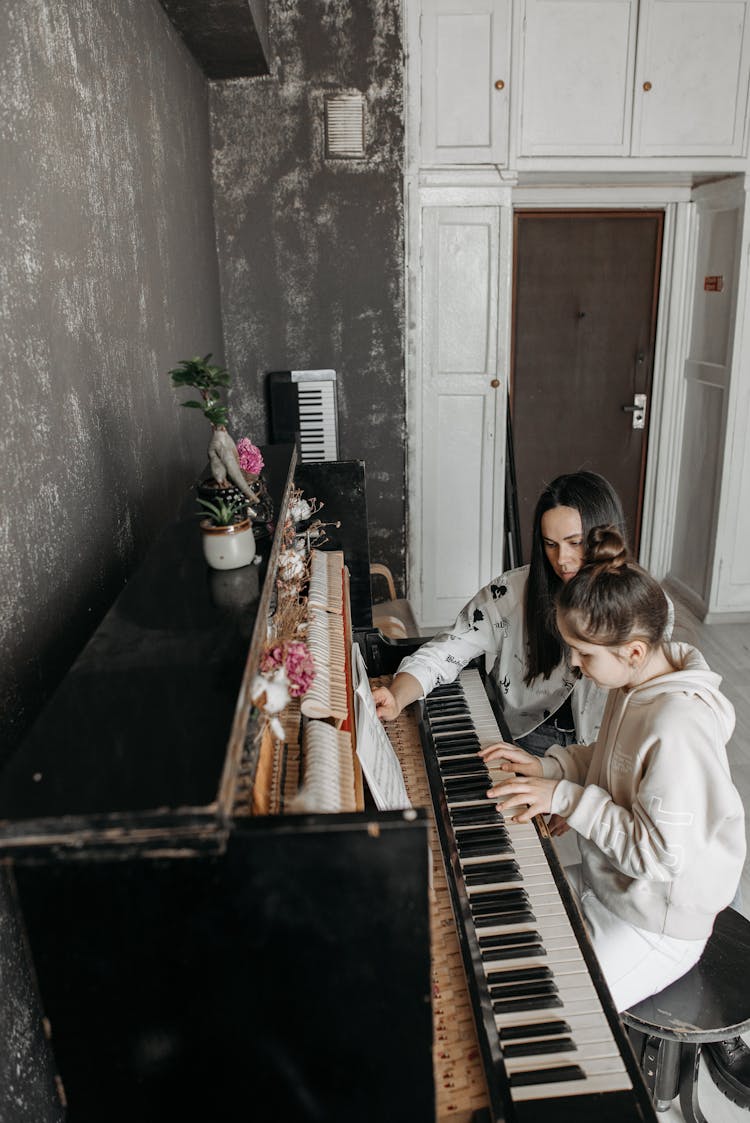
pixel 598 505
pixel 612 599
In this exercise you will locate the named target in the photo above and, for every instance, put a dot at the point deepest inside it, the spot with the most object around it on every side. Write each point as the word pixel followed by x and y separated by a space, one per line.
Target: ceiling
pixel 228 38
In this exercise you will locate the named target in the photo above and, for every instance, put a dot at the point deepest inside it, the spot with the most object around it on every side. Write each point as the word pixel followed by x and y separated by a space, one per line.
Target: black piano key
pixel 509 940
pixel 458 791
pixel 498 836
pixel 481 832
pixel 530 951
pixel 539 1048
pixel 464 766
pixel 483 849
pixel 492 872
pixel 450 749
pixel 554 1075
pixel 517 974
pixel 508 903
pixel 538 1029
pixel 522 990
pixel 523 916
pixel 518 1005
pixel 487 813
pixel 451 743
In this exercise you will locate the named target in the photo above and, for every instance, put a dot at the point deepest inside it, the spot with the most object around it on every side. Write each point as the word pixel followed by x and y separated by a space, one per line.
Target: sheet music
pixel 379 762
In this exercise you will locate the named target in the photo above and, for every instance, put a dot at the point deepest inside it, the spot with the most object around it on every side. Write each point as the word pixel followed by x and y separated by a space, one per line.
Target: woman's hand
pixel 532 794
pixel 513 759
pixel 386 706
pixel 556 825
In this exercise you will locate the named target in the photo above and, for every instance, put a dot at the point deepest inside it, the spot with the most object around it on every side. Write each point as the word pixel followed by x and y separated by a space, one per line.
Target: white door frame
pixel 455 187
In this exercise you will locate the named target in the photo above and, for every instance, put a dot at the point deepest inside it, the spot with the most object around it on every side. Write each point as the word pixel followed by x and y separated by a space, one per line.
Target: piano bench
pixel 710 1003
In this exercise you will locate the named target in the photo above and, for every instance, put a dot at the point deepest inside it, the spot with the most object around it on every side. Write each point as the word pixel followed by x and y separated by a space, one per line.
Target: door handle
pixel 638 410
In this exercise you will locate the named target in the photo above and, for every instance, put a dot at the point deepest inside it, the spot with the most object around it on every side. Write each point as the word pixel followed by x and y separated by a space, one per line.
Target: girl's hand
pixel 533 795
pixel 386 706
pixel 556 825
pixel 513 758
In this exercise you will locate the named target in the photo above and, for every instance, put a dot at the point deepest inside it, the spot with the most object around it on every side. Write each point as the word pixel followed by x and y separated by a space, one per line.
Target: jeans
pixel 544 736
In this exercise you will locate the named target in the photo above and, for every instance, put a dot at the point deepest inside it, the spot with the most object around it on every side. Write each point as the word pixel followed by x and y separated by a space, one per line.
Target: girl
pixel 511 623
pixel 660 823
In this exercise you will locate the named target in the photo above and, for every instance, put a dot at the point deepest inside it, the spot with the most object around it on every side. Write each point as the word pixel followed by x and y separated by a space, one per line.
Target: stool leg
pixel 689 1068
pixel 661 1070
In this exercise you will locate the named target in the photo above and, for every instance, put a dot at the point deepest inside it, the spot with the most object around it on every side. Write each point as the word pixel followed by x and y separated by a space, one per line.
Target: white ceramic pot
pixel 228 547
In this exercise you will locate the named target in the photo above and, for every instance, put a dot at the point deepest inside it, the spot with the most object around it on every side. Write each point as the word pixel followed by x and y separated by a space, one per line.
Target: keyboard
pixel 546 1023
pixel 303 403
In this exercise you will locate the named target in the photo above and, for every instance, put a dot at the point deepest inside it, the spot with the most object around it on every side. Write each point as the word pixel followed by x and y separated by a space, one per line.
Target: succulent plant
pixel 225 512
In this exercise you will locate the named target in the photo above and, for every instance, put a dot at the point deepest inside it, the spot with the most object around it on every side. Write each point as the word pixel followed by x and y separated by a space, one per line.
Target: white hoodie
pixel 661 825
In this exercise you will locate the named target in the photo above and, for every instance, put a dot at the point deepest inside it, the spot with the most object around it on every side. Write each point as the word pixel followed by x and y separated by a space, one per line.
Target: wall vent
pixel 345 126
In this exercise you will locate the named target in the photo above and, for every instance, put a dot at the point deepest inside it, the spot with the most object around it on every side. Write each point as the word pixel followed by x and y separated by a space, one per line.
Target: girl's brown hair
pixel 612 599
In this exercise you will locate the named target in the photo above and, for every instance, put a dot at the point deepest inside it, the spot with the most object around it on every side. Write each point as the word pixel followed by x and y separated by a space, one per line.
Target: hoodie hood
pixel 692 676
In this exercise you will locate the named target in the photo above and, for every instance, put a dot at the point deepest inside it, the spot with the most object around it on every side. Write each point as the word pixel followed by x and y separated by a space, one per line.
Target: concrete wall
pixel 108 276
pixel 311 250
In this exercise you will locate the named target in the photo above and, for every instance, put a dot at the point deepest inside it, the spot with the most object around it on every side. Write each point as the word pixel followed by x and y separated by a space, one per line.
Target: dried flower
pixel 251 459
pixel 300 669
pixel 295 662
pixel 300 510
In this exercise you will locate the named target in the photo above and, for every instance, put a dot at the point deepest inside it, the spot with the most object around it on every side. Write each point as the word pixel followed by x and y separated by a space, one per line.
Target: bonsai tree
pixel 208 380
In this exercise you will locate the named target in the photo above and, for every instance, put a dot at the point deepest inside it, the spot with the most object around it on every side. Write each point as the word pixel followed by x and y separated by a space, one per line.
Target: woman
pixel 511 623
pixel 661 826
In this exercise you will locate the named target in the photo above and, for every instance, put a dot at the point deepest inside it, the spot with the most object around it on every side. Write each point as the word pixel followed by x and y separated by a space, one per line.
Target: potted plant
pixel 223 458
pixel 227 533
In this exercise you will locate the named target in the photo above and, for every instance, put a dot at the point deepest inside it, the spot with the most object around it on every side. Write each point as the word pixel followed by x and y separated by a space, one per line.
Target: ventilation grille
pixel 345 126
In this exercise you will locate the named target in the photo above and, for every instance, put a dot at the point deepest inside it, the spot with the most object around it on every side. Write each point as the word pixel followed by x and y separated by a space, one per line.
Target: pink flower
pixel 251 459
pixel 300 669
pixel 271 659
pixel 296 661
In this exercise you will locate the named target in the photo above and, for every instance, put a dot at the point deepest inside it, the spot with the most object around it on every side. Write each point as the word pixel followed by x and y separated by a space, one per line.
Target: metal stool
pixel 710 1003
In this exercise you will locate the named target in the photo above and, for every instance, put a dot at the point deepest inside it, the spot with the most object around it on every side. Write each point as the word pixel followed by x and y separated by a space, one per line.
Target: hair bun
pixel 606 551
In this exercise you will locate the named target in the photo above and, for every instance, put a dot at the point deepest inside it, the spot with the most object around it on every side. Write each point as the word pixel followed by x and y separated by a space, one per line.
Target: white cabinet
pixel 465 81
pixel 691 78
pixel 577 77
pixel 621 77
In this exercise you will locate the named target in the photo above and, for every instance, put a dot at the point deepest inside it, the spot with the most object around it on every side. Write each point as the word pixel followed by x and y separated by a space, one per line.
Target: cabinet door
pixel 577 79
pixel 465 64
pixel 460 437
pixel 691 78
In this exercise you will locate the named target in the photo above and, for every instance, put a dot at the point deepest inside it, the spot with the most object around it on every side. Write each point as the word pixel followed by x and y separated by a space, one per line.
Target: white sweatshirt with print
pixel 493 625
pixel 661 825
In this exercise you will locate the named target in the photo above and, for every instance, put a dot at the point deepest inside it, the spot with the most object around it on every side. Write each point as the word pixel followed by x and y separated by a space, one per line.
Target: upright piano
pixel 188 940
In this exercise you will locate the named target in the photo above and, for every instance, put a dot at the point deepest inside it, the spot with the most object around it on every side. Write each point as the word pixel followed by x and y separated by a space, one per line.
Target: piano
pixel 191 938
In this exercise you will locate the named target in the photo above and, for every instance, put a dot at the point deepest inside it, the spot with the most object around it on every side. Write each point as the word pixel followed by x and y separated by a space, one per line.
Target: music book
pixel 377 758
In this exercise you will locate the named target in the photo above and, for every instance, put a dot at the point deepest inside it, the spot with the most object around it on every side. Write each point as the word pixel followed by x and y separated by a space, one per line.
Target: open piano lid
pixel 139 746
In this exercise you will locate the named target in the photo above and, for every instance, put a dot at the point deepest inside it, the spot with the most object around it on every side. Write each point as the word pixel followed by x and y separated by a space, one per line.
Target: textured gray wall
pixel 311 250
pixel 108 276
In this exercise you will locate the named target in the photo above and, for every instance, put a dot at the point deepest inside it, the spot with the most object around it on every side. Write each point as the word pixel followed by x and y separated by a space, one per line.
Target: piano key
pixel 546 1075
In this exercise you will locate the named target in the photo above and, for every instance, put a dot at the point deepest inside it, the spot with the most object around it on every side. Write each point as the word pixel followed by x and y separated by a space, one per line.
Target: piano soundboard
pixel 548 1031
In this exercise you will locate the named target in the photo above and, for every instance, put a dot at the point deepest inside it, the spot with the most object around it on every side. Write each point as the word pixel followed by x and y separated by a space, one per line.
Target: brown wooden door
pixel 584 326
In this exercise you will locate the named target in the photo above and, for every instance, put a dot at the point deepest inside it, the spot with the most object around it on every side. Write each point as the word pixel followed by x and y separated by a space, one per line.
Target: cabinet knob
pixel 647 86
pixel 495 383
pixel 499 85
